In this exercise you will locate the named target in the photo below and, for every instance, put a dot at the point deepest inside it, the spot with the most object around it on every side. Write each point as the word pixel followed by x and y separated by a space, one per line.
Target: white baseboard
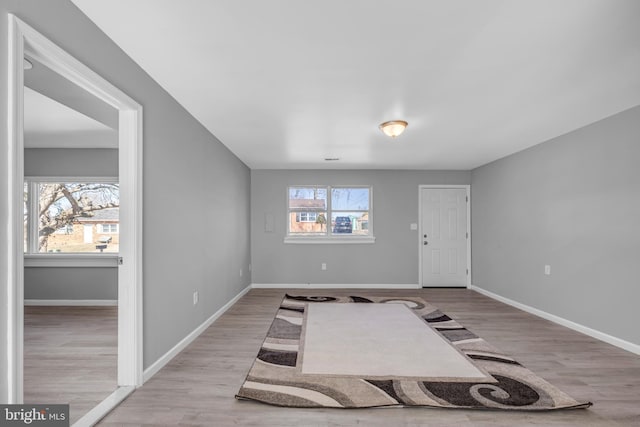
pixel 72 302
pixel 625 345
pixel 92 417
pixel 163 360
pixel 332 286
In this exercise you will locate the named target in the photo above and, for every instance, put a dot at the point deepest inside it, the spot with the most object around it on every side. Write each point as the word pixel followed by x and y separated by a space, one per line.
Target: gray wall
pixel 572 203
pixel 94 162
pixel 66 283
pixel 392 259
pixel 70 283
pixel 196 192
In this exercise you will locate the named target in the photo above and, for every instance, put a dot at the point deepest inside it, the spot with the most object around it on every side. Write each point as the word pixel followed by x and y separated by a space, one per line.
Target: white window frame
pixel 33 258
pixel 330 237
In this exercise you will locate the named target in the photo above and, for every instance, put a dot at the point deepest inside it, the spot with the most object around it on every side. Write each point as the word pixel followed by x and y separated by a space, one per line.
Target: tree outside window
pixel 70 216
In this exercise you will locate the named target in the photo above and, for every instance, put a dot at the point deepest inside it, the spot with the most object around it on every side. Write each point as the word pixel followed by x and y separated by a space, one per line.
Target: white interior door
pixel 444 234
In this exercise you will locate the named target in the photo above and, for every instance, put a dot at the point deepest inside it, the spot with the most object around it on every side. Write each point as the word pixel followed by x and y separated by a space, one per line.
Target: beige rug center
pixel 371 340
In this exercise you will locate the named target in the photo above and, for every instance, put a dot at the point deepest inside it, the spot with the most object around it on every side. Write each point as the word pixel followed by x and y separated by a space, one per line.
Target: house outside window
pixel 329 212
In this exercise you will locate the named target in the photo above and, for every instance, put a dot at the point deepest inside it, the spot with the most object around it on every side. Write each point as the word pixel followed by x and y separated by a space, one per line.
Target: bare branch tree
pixel 62 204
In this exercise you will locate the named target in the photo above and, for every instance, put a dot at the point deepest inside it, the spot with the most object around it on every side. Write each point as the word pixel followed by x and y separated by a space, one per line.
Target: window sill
pixel 71 260
pixel 329 240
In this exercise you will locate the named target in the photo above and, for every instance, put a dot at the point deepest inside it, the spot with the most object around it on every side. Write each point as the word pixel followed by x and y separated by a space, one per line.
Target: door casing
pixel 23 38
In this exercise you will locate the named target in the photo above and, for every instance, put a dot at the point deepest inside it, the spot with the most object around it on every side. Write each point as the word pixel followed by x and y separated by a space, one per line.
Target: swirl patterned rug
pixel 336 352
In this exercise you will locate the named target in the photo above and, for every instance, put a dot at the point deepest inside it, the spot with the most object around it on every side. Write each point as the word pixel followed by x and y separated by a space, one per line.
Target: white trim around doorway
pixel 23 38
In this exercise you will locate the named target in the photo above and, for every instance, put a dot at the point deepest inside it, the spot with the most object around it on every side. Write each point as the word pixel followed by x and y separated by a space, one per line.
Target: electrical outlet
pixel 196 297
pixel 547 270
pixel 323 266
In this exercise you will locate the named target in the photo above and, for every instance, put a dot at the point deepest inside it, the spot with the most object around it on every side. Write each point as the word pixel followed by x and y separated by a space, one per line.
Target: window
pixel 306 216
pixel 306 203
pixel 108 228
pixel 64 216
pixel 329 213
pixel 65 229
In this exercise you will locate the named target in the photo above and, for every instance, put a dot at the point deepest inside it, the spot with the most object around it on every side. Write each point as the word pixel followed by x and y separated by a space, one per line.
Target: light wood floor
pixel 197 387
pixel 70 356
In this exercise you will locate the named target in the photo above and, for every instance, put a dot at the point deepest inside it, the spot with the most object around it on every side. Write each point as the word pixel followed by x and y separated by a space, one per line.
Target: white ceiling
pixel 50 124
pixel 60 114
pixel 287 83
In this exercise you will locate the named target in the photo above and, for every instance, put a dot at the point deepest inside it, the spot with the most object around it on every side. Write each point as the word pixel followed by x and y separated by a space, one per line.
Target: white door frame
pixel 23 38
pixel 420 232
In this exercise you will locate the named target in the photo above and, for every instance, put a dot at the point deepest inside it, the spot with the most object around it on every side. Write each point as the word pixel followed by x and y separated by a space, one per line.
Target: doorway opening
pixel 24 40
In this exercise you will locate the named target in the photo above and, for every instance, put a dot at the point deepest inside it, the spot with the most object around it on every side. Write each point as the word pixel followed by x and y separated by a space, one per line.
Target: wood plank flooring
pixel 197 387
pixel 70 356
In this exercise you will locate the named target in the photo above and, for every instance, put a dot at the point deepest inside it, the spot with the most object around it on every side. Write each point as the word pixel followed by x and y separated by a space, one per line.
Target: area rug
pixel 364 352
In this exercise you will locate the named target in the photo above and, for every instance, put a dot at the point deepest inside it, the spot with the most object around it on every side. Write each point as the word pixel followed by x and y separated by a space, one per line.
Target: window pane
pixel 308 223
pixel 307 211
pixel 355 223
pixel 350 199
pixel 307 198
pixel 74 214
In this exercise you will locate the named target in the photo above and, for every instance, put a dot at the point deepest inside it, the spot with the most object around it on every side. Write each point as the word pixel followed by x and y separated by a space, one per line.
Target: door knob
pixel 425 243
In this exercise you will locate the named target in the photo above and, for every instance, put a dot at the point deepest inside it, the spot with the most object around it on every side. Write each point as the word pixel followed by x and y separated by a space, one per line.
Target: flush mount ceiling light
pixel 393 128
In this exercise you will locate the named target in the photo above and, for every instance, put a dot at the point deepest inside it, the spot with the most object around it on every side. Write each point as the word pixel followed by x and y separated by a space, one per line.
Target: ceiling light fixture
pixel 393 128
